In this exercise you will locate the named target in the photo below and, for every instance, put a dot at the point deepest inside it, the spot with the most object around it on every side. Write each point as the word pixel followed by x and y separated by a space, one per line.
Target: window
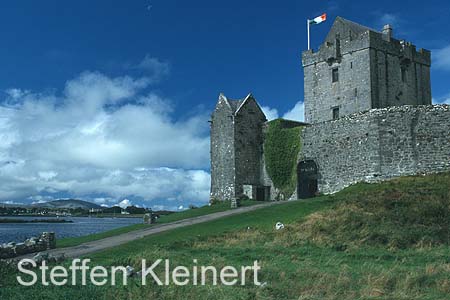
pixel 403 75
pixel 335 75
pixel 335 113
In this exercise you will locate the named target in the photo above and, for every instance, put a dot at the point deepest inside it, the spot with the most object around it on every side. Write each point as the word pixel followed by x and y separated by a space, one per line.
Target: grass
pixel 75 241
pixel 295 266
pixel 190 213
pixel 407 213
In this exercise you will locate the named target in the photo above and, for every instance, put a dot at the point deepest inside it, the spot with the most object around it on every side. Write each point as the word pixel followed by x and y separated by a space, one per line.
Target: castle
pixel 368 117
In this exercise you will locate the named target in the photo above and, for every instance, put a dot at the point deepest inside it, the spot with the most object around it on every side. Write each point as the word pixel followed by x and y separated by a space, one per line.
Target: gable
pixel 223 105
pixel 345 29
pixel 249 103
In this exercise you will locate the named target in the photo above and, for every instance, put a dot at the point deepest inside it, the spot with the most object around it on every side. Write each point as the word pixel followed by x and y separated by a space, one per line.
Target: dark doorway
pixel 306 179
pixel 263 193
pixel 260 195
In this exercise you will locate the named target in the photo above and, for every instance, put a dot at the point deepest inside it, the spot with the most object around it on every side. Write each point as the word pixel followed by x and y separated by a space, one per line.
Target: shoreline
pixel 19 221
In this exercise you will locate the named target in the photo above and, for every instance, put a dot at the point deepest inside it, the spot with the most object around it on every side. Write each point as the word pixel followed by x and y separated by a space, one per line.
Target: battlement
pixel 368 117
pixel 358 68
pixel 378 144
pixel 369 39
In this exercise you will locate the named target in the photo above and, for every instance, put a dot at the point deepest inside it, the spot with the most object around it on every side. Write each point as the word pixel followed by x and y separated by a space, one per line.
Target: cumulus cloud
pixel 441 58
pixel 442 100
pixel 154 68
pixel 124 203
pixel 389 18
pixel 271 113
pixel 104 136
pixel 297 113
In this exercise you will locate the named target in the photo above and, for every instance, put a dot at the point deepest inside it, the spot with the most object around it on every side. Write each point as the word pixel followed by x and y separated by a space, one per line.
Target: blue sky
pixel 109 100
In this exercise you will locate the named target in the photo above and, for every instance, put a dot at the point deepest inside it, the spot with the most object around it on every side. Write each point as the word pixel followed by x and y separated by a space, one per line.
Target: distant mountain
pixel 71 203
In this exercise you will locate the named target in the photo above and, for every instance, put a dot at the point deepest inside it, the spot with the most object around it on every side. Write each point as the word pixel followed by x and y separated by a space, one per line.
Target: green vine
pixel 281 148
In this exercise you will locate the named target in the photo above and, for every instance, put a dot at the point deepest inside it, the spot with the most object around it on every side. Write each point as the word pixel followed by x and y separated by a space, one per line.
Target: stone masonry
pixel 369 118
pixel 236 147
pixel 46 241
pixel 379 144
pixel 358 68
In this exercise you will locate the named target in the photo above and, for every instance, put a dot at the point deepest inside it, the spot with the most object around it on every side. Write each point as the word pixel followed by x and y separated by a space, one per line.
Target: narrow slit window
pixel 335 113
pixel 403 75
pixel 335 75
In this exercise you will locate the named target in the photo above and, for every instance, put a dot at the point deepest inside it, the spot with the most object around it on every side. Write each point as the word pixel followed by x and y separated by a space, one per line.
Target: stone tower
pixel 236 147
pixel 357 69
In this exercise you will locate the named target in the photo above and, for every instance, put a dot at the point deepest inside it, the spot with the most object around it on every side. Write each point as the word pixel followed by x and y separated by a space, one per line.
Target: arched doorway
pixel 306 179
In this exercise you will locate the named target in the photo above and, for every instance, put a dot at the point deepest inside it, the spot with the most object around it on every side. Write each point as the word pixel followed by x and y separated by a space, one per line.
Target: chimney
pixel 387 32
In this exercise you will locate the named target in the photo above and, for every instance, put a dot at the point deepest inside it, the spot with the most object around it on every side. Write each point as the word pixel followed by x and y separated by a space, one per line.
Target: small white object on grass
pixel 279 226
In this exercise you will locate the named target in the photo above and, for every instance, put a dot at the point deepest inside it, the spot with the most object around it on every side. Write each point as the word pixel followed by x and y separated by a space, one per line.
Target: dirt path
pixel 95 246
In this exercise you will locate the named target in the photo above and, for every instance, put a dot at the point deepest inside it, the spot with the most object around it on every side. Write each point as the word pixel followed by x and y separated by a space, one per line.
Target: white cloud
pixel 388 18
pixel 154 67
pixel 12 202
pixel 442 100
pixel 441 58
pixel 271 113
pixel 297 113
pixel 124 203
pixel 16 93
pixel 105 136
pixel 401 27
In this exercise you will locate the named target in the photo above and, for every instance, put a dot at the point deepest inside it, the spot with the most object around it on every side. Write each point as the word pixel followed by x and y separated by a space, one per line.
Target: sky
pixel 108 101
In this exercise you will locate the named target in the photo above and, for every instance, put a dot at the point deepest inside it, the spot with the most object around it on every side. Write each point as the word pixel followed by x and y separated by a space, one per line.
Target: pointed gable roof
pixel 344 27
pixel 236 105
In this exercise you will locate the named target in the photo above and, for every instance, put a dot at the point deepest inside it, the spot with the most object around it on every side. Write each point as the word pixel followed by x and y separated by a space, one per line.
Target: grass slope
pixel 190 213
pixel 295 265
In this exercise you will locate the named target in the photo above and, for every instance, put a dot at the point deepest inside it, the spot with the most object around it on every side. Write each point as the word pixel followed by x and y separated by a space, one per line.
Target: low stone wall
pixel 378 144
pixel 46 241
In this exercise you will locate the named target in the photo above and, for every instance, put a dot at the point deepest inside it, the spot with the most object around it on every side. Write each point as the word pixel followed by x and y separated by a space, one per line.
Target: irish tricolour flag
pixel 318 19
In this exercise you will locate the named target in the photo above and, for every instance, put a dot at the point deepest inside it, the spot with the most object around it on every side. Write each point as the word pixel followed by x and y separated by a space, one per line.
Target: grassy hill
pixel 370 241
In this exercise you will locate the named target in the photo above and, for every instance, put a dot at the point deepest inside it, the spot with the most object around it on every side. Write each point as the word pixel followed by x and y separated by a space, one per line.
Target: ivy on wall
pixel 281 148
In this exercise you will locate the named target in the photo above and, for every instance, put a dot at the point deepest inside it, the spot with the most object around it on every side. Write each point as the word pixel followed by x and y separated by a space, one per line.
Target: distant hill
pixel 70 203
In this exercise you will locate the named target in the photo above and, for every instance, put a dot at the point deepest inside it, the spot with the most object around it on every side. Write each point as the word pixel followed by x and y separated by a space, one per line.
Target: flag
pixel 318 20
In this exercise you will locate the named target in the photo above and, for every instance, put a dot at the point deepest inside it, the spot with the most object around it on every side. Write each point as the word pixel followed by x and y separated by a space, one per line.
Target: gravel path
pixel 99 245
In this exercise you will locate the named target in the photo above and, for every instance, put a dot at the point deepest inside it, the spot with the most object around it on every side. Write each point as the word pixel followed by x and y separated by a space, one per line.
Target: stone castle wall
pixel 379 144
pixel 351 93
pixel 374 71
pixel 248 146
pixel 222 152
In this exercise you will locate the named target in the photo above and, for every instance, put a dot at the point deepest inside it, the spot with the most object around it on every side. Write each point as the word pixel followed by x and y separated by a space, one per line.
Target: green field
pixel 370 241
pixel 190 213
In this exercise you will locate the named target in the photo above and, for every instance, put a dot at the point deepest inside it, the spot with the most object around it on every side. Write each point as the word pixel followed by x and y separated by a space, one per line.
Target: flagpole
pixel 307 25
